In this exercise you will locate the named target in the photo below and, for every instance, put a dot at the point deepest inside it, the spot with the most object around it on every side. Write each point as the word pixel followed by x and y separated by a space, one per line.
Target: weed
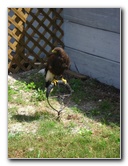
pixel 38 95
pixel 84 132
pixel 11 92
pixel 31 85
pixel 76 109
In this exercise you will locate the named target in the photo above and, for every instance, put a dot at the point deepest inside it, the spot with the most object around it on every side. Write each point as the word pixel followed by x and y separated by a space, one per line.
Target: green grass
pixel 54 141
pixel 81 132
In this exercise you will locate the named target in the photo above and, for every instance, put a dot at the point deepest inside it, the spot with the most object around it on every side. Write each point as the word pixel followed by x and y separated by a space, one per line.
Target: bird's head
pixel 57 50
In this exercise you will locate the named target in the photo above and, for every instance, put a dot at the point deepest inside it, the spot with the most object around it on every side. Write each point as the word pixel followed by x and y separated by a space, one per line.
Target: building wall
pixel 92 40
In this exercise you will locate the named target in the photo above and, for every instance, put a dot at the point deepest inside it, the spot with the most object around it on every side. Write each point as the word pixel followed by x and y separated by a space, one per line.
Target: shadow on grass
pixel 103 100
pixel 21 118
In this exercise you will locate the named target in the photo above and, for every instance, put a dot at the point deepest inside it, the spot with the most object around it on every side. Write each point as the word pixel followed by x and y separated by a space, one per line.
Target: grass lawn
pixel 89 126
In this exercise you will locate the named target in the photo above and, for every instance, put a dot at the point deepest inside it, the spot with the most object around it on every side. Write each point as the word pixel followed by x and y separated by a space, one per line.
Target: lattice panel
pixel 32 34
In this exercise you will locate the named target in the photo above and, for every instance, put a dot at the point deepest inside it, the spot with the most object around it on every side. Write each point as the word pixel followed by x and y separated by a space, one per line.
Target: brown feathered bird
pixel 58 61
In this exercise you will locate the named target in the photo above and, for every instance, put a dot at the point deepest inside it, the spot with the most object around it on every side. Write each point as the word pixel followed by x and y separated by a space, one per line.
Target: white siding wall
pixel 92 40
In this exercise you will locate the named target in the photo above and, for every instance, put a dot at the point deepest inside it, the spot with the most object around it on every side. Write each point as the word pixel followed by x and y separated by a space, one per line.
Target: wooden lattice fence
pixel 32 34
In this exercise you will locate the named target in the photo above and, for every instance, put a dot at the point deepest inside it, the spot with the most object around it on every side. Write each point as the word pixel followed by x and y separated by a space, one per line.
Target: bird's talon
pixel 55 82
pixel 64 81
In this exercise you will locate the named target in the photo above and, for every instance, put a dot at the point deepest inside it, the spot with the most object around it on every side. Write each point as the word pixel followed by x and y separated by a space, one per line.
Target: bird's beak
pixel 53 51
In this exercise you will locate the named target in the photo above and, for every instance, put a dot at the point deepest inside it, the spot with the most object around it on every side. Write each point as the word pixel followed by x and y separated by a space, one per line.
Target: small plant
pixel 38 95
pixel 11 93
pixel 31 85
pixel 76 110
pixel 85 132
pixel 11 90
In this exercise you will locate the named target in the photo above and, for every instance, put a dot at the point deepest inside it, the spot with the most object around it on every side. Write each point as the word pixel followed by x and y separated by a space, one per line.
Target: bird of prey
pixel 58 61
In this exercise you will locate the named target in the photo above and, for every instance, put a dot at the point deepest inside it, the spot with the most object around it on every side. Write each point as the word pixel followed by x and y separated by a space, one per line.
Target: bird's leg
pixel 47 84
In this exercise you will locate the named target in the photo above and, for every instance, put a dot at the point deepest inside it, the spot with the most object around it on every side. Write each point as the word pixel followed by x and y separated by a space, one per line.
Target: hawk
pixel 58 61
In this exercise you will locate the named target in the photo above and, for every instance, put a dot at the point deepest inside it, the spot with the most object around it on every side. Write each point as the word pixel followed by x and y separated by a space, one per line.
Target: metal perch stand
pixel 60 96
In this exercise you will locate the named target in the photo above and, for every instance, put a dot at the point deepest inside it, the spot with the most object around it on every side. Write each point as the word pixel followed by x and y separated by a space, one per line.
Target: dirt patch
pixel 19 127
